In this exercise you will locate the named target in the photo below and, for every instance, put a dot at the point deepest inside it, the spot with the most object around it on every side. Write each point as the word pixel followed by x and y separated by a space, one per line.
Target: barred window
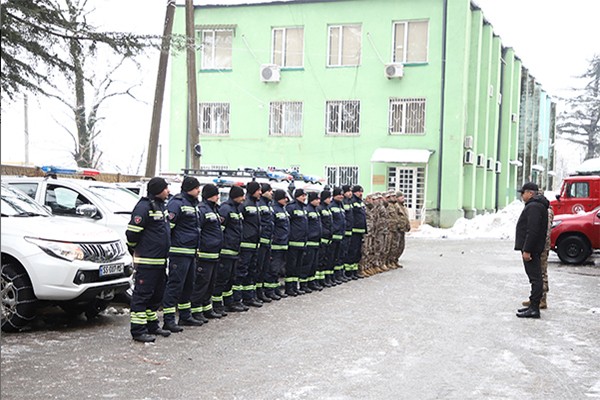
pixel 216 48
pixel 407 116
pixel 410 41
pixel 344 45
pixel 214 119
pixel 285 118
pixel 411 182
pixel 341 175
pixel 288 44
pixel 343 117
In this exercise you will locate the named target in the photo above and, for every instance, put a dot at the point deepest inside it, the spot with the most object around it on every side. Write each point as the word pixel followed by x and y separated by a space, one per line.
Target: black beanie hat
pixel 156 185
pixel 337 191
pixel 209 190
pixel 236 192
pixel 346 188
pixel 189 183
pixel 325 194
pixel 312 196
pixel 265 187
pixel 279 194
pixel 252 187
pixel 357 188
pixel 298 193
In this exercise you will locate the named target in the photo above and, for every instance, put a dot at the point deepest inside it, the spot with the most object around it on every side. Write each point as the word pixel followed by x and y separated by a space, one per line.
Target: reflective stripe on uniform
pixel 265 240
pixel 279 247
pixel 246 245
pixel 149 261
pixel 358 230
pixel 135 228
pixel 312 244
pixel 209 256
pixel 184 306
pixel 297 244
pixel 228 252
pixel 182 250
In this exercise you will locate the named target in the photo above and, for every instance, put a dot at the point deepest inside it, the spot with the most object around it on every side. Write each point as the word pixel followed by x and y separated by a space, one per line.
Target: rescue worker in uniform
pixel 231 224
pixel 297 242
pixel 149 237
pixel 266 235
pixel 349 215
pixel 211 241
pixel 359 229
pixel 279 246
pixel 325 268
pixel 247 271
pixel 311 255
pixel 185 237
pixel 368 243
pixel 338 228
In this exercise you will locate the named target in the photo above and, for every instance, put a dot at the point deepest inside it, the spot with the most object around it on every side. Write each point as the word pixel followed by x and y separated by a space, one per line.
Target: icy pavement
pixel 443 327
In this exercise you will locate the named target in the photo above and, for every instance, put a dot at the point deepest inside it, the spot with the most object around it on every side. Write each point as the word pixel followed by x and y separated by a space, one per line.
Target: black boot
pixel 200 317
pixel 262 296
pixel 304 286
pixel 314 286
pixel 252 303
pixel 273 295
pixel 160 332
pixel 529 313
pixel 236 307
pixel 144 338
pixel 172 326
pixel 289 289
pixel 211 314
pixel 281 293
pixel 191 321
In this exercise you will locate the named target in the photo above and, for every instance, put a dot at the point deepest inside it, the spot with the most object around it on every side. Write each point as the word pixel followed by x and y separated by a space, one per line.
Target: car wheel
pixel 18 299
pixel 573 250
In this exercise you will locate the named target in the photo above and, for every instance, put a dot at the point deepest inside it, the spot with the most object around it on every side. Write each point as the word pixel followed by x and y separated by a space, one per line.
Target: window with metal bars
pixel 285 118
pixel 341 175
pixel 343 118
pixel 216 48
pixel 214 119
pixel 407 116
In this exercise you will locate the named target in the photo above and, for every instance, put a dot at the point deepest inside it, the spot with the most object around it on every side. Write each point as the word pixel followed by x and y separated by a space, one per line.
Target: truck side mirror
pixel 87 210
pixel 558 197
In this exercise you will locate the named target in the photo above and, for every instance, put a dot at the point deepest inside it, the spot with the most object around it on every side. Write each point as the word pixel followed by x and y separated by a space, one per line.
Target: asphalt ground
pixel 443 327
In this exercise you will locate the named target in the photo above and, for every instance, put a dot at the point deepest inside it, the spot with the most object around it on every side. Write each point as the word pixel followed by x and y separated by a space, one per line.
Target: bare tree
pixel 580 122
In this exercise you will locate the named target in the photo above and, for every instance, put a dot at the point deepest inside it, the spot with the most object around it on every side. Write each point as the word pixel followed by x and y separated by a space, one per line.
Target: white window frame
pixel 286 107
pixel 207 62
pixel 214 128
pixel 284 49
pixel 342 104
pixel 410 124
pixel 406 42
pixel 340 45
pixel 333 175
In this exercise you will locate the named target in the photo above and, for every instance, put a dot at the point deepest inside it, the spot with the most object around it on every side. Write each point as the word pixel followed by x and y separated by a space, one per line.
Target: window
pixel 410 42
pixel 288 46
pixel 216 48
pixel 285 118
pixel 344 45
pixel 338 176
pixel 30 189
pixel 343 117
pixel 579 190
pixel 407 116
pixel 214 119
pixel 63 201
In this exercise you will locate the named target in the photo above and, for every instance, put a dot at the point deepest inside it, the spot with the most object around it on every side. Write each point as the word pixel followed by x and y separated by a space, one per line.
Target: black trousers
pixel 533 269
pixel 204 285
pixel 146 298
pixel 245 275
pixel 293 265
pixel 355 248
pixel 310 262
pixel 179 287
pixel 224 281
pixel 263 263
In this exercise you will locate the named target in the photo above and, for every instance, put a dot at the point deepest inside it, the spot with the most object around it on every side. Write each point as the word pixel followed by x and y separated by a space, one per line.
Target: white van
pixel 45 259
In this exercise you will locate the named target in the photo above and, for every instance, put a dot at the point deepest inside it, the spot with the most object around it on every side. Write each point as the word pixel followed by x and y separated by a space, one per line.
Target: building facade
pixel 411 95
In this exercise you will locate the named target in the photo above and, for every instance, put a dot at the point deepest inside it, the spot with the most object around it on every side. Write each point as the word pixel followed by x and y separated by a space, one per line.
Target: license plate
pixel 112 269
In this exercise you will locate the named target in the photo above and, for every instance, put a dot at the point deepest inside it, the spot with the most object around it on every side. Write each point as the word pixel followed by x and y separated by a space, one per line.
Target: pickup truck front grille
pixel 102 252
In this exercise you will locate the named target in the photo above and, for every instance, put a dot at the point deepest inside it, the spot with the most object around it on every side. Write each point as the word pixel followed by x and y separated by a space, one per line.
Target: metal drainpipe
pixel 503 62
pixel 443 98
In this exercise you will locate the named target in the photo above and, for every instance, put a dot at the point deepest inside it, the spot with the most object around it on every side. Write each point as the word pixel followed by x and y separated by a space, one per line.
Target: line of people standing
pixel 231 257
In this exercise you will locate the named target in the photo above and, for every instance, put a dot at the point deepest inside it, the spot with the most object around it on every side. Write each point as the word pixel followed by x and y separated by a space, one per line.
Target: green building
pixel 411 95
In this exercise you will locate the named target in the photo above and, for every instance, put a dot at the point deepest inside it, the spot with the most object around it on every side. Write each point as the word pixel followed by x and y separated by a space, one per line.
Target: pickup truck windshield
pixel 16 204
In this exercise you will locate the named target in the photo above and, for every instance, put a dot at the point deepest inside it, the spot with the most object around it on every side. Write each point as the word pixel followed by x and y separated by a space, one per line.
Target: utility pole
pixel 160 89
pixel 192 161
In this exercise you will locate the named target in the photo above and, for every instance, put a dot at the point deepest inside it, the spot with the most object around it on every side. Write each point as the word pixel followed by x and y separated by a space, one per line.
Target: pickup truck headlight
pixel 64 250
pixel 556 223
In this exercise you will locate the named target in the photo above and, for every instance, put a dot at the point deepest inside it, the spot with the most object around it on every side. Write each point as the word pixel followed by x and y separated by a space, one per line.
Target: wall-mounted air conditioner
pixel 480 160
pixel 489 165
pixel 513 117
pixel 270 73
pixel 498 167
pixel 468 142
pixel 491 90
pixel 394 70
pixel 469 157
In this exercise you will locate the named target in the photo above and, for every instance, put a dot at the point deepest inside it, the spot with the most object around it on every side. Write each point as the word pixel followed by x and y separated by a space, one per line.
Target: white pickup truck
pixel 46 259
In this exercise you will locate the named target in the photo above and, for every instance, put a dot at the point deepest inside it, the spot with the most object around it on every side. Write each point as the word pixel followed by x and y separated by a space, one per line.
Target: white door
pixel 411 182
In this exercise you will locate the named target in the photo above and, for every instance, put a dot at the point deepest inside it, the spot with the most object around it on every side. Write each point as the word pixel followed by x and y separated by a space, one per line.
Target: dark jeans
pixel 533 269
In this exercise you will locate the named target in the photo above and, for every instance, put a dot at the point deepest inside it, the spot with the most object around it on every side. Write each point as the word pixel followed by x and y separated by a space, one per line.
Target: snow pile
pixel 500 225
pixel 590 166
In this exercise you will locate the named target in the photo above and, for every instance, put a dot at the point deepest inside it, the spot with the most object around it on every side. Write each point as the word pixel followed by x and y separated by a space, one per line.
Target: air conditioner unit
pixel 490 164
pixel 513 117
pixel 270 73
pixel 468 158
pixel 394 70
pixel 498 167
pixel 491 90
pixel 468 142
pixel 480 160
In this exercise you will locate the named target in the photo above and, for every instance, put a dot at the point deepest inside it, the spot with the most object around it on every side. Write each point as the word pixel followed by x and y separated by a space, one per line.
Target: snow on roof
pixel 401 155
pixel 500 224
pixel 590 166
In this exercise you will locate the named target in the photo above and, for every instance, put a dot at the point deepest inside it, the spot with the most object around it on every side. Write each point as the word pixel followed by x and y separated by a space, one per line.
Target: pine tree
pixel 580 122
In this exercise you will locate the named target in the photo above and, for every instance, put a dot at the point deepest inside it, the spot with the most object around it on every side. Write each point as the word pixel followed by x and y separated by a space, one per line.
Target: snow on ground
pixel 500 224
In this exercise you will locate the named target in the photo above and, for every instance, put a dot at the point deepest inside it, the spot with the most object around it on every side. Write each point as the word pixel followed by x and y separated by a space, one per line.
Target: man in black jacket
pixel 530 239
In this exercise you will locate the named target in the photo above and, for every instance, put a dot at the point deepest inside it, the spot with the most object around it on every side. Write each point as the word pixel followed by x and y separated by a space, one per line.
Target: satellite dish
pixel 198 149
